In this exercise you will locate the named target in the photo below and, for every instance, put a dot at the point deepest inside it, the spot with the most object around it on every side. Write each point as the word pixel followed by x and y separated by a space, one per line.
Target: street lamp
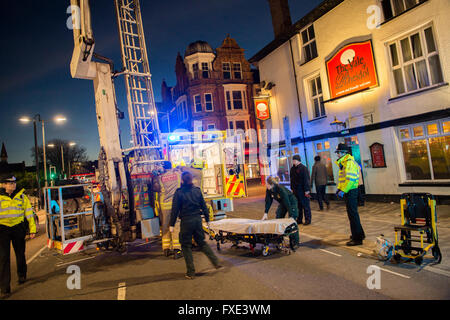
pixel 37 117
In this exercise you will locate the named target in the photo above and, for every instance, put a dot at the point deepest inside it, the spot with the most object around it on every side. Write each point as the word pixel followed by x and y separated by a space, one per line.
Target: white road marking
pixel 395 273
pixel 334 254
pixel 438 271
pixel 71 262
pixel 122 291
pixel 36 255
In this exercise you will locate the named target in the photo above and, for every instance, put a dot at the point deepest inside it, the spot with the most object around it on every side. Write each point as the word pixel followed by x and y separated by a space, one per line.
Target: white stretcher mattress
pixel 249 226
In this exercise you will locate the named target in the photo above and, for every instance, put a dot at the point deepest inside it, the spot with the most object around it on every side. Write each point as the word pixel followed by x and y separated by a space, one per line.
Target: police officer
pixel 15 207
pixel 288 203
pixel 189 204
pixel 348 189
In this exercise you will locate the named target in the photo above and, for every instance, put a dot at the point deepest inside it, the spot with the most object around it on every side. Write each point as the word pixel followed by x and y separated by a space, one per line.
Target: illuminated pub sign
pixel 262 109
pixel 351 69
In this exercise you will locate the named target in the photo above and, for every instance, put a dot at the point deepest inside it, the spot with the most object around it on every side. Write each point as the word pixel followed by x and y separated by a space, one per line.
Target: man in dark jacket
pixel 300 186
pixel 189 205
pixel 288 204
pixel 319 176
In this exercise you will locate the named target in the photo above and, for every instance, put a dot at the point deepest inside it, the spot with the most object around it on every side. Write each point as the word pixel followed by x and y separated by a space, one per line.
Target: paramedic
pixel 166 184
pixel 189 205
pixel 288 203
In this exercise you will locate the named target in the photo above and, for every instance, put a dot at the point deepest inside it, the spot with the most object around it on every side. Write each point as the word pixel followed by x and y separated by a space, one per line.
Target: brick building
pixel 214 91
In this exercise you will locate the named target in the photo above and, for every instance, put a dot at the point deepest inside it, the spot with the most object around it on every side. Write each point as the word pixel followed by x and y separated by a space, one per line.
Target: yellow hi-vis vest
pixel 348 173
pixel 14 211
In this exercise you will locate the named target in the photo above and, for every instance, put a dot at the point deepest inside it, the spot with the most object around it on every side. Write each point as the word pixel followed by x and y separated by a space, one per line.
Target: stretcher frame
pixel 279 240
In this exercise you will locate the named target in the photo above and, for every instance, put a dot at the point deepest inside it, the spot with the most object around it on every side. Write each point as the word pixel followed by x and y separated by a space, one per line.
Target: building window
pixel 197 103
pixel 237 100
pixel 316 98
pixel 231 125
pixel 211 127
pixel 392 8
pixel 226 70
pixel 208 102
pixel 323 150
pixel 205 70
pixel 309 44
pixel 415 61
pixel 195 70
pixel 228 97
pixel 426 150
pixel 237 72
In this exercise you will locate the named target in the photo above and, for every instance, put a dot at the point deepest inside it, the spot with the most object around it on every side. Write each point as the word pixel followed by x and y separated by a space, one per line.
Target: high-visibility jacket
pixel 348 173
pixel 169 182
pixel 13 211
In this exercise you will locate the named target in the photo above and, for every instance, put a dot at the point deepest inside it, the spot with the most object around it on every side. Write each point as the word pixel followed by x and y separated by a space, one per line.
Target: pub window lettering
pixel 309 44
pixel 415 62
pixel 392 8
pixel 426 150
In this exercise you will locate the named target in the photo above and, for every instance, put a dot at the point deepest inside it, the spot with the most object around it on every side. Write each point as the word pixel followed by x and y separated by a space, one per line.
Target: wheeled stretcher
pixel 265 232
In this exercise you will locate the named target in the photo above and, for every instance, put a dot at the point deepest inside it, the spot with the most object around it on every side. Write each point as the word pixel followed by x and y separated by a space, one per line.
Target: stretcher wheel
pixel 418 260
pixel 265 251
pixel 437 254
pixel 397 258
pixel 218 246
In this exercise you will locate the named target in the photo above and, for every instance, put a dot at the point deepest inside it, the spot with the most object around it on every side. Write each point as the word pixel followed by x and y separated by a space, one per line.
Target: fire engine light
pixel 173 138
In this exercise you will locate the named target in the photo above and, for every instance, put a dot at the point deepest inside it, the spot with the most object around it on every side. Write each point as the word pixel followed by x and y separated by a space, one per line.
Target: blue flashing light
pixel 173 138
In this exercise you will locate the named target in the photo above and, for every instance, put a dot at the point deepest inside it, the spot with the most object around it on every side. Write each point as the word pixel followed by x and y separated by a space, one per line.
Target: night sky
pixel 37 48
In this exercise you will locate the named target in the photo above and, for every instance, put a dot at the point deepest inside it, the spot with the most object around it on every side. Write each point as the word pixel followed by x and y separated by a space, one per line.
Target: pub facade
pixel 372 74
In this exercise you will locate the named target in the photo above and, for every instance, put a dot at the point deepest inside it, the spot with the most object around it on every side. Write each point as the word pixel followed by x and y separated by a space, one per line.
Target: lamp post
pixel 37 117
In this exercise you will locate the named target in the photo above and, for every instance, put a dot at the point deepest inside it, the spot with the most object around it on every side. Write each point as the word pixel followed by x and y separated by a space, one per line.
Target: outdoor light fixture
pixel 60 119
pixel 338 125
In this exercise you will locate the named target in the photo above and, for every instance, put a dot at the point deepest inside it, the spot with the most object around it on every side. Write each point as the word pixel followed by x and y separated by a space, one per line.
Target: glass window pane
pixel 432 129
pixel 237 99
pixel 311 33
pixel 411 83
pixel 399 6
pixel 313 49
pixel 327 145
pixel 418 131
pixel 308 53
pixel 313 88
pixel 399 84
pixel 406 49
pixel 410 3
pixel 415 42
pixel 430 40
pixel 319 146
pixel 404 133
pixel 316 108
pixel 394 56
pixel 435 69
pixel 305 36
pixel 416 160
pixel 446 126
pixel 422 74
pixel 322 106
pixel 440 157
pixel 319 86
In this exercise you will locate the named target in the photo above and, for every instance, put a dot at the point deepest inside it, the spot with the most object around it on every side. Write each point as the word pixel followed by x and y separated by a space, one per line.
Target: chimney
pixel 281 17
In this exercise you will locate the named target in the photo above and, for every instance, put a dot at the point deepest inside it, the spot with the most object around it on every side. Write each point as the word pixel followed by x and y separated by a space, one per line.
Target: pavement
pixel 332 227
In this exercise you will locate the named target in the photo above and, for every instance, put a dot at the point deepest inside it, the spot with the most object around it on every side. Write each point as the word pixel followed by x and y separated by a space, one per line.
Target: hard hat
pixel 342 147
pixel 7 178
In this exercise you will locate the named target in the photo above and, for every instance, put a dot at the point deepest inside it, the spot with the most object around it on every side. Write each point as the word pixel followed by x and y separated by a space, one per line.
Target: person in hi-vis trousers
pixel 166 185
